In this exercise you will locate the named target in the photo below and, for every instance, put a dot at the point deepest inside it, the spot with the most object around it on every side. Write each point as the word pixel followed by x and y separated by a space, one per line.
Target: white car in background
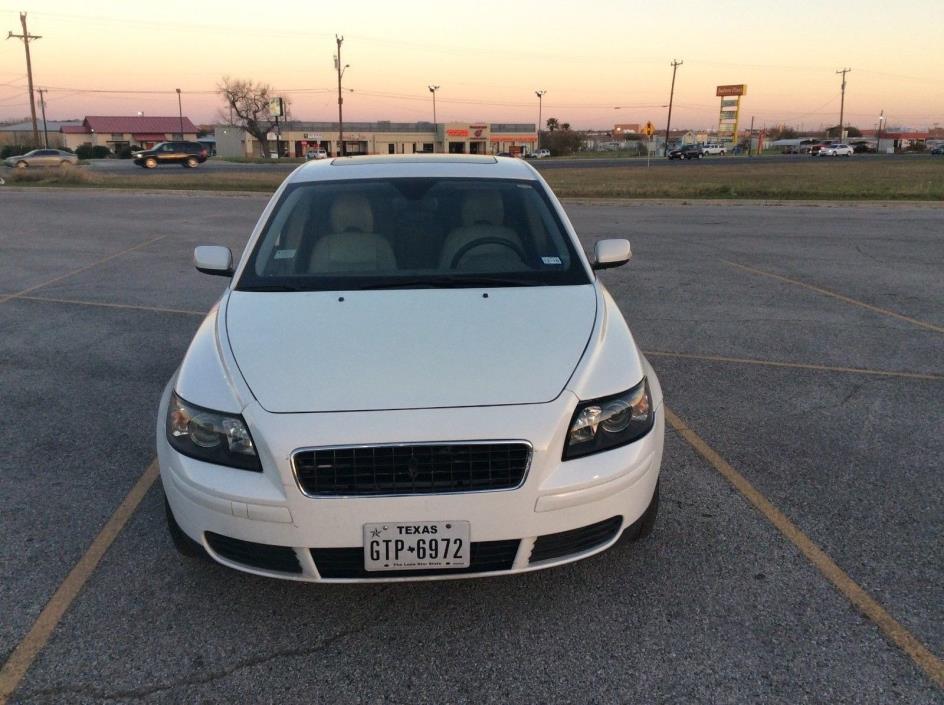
pixel 836 150
pixel 414 373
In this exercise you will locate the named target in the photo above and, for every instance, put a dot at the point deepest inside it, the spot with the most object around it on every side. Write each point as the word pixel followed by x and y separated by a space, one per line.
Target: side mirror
pixel 213 259
pixel 611 253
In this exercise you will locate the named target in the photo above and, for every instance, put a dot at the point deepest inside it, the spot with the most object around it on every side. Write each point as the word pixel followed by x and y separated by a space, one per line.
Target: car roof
pixel 415 166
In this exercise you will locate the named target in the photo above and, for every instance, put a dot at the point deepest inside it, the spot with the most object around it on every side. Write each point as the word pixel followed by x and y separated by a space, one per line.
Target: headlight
pixel 212 436
pixel 610 422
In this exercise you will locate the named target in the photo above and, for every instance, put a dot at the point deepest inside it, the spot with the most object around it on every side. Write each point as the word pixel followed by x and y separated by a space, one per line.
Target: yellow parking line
pixel 7 297
pixel 893 630
pixel 103 304
pixel 840 297
pixel 28 649
pixel 795 365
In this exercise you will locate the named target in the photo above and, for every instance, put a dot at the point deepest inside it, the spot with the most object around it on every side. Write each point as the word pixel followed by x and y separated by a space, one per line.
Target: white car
pixel 542 154
pixel 414 373
pixel 836 150
pixel 316 154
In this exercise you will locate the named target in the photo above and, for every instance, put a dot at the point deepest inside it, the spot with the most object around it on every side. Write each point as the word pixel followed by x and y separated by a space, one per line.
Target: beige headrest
pixel 351 212
pixel 483 208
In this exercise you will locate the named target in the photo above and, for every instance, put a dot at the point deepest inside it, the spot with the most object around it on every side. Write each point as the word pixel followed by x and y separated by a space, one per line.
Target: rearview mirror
pixel 213 259
pixel 611 253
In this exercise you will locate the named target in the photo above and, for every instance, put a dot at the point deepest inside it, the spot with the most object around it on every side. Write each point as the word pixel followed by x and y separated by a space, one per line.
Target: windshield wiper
pixel 267 287
pixel 449 283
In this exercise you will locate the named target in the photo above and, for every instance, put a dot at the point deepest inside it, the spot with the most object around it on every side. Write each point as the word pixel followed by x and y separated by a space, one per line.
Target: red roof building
pixel 117 131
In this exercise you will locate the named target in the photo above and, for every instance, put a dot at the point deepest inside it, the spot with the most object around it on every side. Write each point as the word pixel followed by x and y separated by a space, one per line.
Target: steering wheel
pixel 478 242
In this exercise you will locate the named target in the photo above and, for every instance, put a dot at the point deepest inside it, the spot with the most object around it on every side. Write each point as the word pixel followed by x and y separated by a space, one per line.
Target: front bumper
pixel 599 495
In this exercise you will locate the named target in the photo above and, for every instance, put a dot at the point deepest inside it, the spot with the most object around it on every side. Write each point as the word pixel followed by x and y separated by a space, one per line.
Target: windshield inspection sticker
pixel 551 260
pixel 284 254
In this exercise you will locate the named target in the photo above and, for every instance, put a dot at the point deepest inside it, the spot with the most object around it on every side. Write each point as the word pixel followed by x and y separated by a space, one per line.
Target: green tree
pixel 552 124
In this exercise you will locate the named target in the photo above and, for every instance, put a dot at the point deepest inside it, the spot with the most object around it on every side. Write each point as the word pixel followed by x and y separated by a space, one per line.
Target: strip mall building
pixel 382 137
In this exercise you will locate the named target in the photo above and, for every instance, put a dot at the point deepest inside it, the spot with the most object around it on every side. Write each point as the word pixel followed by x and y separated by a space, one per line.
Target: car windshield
pixel 412 233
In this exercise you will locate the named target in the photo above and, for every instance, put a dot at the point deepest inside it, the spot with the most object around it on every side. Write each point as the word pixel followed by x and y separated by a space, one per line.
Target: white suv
pixel 713 148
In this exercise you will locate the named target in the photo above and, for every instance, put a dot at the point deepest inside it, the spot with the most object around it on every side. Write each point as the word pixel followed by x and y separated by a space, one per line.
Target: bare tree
pixel 248 104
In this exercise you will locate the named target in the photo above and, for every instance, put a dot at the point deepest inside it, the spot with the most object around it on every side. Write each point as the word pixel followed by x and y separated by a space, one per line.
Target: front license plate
pixel 420 545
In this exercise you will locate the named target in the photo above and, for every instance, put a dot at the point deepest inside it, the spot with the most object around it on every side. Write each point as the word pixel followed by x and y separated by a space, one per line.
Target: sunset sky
pixel 488 57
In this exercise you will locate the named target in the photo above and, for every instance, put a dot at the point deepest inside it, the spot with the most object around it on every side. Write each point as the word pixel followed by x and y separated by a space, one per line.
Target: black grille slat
pixel 574 541
pixel 258 555
pixel 412 469
pixel 484 557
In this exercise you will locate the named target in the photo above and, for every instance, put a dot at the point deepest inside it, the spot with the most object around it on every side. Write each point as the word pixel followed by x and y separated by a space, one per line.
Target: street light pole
pixel 878 140
pixel 540 95
pixel 340 69
pixel 433 89
pixel 180 113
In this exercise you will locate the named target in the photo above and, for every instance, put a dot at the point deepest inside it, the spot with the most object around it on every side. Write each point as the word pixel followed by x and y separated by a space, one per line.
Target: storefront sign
pixel 457 133
pixel 734 89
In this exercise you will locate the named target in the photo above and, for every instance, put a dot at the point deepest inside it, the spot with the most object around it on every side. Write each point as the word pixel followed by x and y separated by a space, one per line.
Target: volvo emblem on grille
pixel 413 467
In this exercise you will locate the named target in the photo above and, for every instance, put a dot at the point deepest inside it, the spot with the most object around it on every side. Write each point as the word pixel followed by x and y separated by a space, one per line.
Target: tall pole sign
pixel 730 111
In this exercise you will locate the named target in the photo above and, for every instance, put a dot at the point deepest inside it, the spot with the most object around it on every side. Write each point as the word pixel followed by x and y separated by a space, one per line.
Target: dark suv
pixel 188 154
pixel 688 151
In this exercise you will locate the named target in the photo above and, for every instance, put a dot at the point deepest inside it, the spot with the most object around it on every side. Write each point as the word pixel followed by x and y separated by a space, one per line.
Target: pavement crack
pixel 196 678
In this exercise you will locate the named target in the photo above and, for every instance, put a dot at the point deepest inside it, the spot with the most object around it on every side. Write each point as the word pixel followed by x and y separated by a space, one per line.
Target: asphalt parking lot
pixel 798 346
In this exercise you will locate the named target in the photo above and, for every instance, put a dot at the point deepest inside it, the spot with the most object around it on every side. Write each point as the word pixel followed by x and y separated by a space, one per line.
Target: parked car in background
pixel 187 154
pixel 687 151
pixel 836 150
pixel 713 148
pixel 862 148
pixel 313 153
pixel 938 150
pixel 481 407
pixel 42 157
pixel 541 154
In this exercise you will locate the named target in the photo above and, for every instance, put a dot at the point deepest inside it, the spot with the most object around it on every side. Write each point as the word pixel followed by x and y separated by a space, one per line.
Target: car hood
pixel 416 348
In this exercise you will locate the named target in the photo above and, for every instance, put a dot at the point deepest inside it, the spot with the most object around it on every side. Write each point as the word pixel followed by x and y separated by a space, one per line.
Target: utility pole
pixel 668 123
pixel 180 113
pixel 878 139
pixel 340 69
pixel 750 138
pixel 540 95
pixel 27 38
pixel 842 102
pixel 433 89
pixel 42 104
